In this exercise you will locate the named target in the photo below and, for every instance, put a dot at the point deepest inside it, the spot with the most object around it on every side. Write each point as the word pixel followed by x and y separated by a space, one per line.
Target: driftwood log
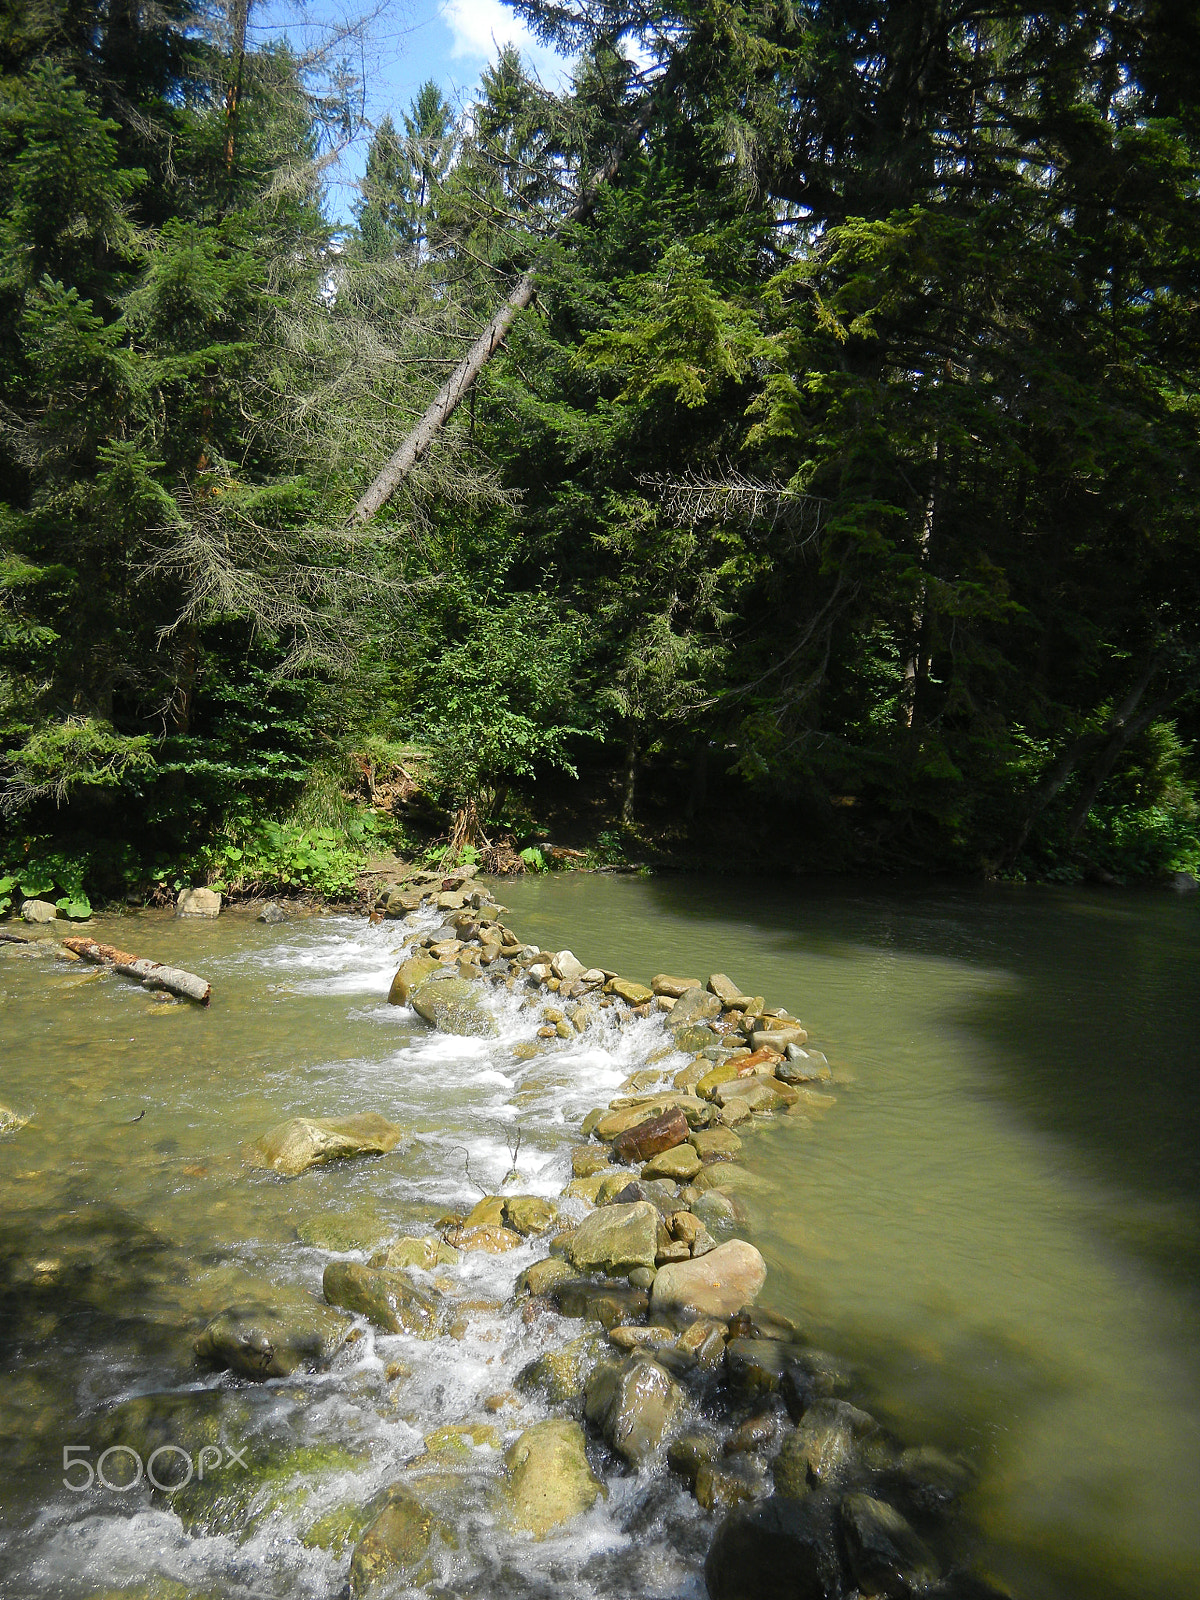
pixel 153 974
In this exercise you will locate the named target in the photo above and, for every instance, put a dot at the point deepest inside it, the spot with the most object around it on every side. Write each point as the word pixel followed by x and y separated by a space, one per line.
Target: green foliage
pixel 534 860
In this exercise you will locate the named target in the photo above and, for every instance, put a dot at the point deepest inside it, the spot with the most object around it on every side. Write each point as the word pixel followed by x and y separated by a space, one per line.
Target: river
pixel 998 1222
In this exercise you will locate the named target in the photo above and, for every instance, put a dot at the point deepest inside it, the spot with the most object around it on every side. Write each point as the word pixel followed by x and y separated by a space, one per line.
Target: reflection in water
pixel 1001 1218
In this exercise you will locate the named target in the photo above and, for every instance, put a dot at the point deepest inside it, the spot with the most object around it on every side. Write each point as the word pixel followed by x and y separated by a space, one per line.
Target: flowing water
pixel 998 1222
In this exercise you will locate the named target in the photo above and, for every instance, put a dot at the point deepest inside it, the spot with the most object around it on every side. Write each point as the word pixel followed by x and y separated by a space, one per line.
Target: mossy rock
pixel 396 1543
pixel 549 1480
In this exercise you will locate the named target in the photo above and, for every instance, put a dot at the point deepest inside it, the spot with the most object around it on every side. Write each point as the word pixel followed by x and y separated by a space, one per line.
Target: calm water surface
pixel 998 1221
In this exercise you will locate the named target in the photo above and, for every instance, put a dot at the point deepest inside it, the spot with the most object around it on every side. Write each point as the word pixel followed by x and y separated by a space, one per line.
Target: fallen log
pixel 152 974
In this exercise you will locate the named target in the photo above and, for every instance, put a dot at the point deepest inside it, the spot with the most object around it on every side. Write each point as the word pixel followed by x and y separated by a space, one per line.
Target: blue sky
pixel 404 43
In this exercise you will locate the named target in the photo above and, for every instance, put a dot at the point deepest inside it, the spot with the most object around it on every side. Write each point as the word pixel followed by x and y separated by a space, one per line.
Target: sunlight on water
pixel 998 1221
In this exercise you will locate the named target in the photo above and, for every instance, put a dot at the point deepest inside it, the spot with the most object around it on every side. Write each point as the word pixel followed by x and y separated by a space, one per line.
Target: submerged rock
pixel 395 1544
pixel 635 1406
pixel 561 1375
pixel 616 1238
pixel 548 1479
pixel 826 1447
pixel 387 1299
pixel 714 1285
pixel 607 1303
pixel 453 1005
pixel 425 1253
pixel 886 1557
pixel 11 1120
pixel 258 1342
pixel 292 1147
pixel 272 914
pixel 774 1549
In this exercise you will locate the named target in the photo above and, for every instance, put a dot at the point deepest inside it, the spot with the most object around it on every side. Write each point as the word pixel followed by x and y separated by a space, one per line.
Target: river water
pixel 998 1223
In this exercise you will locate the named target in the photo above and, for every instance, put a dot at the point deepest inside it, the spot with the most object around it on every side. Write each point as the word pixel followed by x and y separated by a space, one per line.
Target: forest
pixel 825 500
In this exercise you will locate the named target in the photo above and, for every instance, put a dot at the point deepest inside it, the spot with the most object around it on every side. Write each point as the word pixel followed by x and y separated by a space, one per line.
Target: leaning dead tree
pixel 458 384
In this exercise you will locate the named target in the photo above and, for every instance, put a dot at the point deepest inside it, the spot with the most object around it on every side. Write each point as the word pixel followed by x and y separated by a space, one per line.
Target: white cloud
pixel 481 27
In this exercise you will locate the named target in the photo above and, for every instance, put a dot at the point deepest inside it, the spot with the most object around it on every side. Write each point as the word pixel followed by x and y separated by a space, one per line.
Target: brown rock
pixel 649 1138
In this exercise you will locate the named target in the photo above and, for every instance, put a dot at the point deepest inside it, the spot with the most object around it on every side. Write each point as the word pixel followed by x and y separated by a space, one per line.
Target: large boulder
pixel 291 1147
pixel 827 1447
pixel 635 1405
pixel 387 1299
pixel 886 1557
pixel 453 1005
pixel 409 976
pixel 395 1544
pixel 616 1238
pixel 548 1480
pixel 776 1549
pixel 259 1342
pixel 713 1285
pixel 198 903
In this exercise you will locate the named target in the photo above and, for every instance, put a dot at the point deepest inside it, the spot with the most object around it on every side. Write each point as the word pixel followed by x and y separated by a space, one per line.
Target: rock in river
pixel 712 1285
pixel 452 1005
pixel 635 1405
pixel 650 1138
pixel 39 911
pixel 693 1006
pixel 826 1447
pixel 886 1557
pixel 257 1342
pixel 410 974
pixel 396 1544
pixel 387 1299
pixel 775 1549
pixel 198 903
pixel 302 1142
pixel 617 1238
pixel 548 1478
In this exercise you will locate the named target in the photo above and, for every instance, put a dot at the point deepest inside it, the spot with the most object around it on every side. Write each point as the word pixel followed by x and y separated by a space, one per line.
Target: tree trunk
pixel 1058 776
pixel 1120 741
pixel 448 397
pixel 631 771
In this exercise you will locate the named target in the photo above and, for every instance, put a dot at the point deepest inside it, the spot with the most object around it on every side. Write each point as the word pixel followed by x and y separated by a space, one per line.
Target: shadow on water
pixel 1001 1219
pixel 1095 1038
